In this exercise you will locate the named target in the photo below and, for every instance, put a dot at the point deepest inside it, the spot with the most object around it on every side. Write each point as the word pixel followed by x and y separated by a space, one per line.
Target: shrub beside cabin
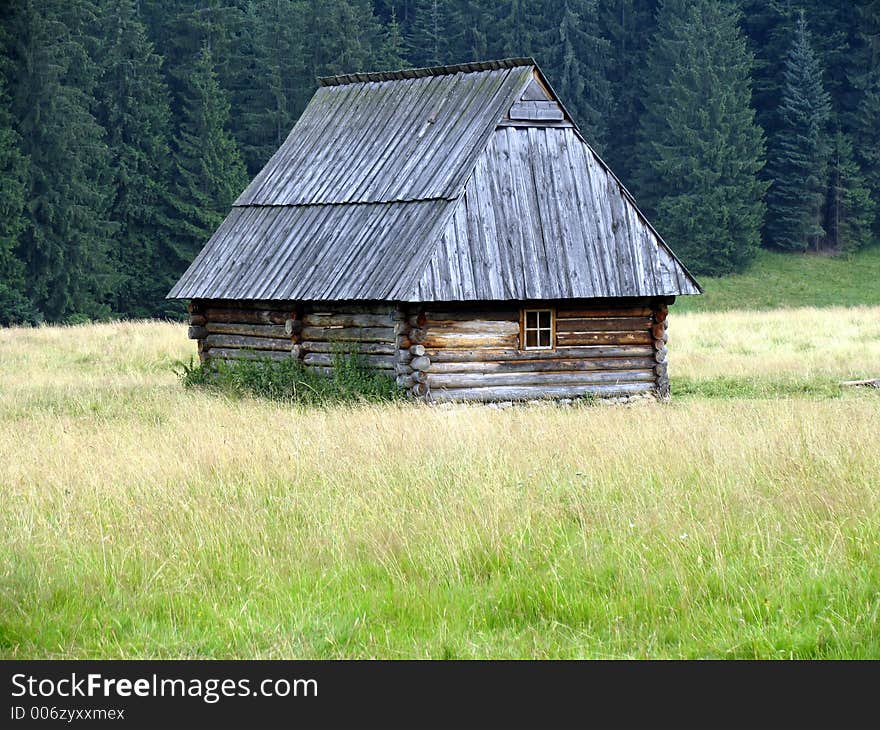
pixel 453 227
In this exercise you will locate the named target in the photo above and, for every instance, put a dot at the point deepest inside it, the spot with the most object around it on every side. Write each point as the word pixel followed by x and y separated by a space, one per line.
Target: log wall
pixel 312 333
pixel 234 330
pixel 453 351
pixel 601 348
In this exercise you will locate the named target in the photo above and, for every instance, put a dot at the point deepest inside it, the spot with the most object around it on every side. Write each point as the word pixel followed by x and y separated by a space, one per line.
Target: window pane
pixel 543 319
pixel 531 338
pixel 544 338
pixel 531 319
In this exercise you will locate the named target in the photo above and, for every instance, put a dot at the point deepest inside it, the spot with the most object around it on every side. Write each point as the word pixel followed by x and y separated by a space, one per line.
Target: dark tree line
pixel 128 127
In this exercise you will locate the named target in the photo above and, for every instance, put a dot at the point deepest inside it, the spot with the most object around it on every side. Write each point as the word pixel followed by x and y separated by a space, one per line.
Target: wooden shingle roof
pixel 407 186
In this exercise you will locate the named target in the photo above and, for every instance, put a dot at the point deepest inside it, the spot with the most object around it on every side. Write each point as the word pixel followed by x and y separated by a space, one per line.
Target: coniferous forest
pixel 128 127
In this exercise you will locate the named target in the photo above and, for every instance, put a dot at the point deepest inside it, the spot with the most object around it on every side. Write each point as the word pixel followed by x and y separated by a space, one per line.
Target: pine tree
pixel 799 167
pixel 133 109
pixel 63 243
pixel 850 210
pixel 210 170
pixel 700 148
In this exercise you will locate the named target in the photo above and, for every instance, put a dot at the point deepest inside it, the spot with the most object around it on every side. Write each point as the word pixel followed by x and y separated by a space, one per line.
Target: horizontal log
pixel 377 361
pixel 349 334
pixel 348 320
pixel 541 392
pixel 573 339
pixel 544 366
pixel 255 343
pixel 464 315
pixel 363 348
pixel 195 332
pixel 469 341
pixel 471 327
pixel 603 312
pixel 197 319
pixel 597 324
pixel 253 330
pixel 495 354
pixel 248 316
pixel 660 315
pixel 225 353
pixel 485 380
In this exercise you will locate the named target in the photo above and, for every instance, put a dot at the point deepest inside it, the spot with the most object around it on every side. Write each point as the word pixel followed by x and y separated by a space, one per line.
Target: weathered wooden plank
pixel 476 327
pixel 603 312
pixel 225 353
pixel 495 354
pixel 536 111
pixel 459 341
pixel 573 339
pixel 595 324
pixel 543 366
pixel 255 330
pixel 248 316
pixel 485 380
pixel 541 392
pixel 256 343
pixel 349 320
pixel 349 334
pixel 387 362
pixel 363 348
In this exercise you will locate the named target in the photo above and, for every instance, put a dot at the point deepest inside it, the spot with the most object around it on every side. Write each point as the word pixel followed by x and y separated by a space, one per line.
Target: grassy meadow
pixel 741 520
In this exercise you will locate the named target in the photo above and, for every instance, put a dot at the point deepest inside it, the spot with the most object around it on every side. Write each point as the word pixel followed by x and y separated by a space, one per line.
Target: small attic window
pixel 537 329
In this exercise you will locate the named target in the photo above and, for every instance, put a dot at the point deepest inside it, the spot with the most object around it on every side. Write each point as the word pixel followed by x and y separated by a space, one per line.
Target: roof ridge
pixel 414 73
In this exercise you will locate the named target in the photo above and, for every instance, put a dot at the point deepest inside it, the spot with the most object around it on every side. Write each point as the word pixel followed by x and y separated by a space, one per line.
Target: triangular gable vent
pixel 536 107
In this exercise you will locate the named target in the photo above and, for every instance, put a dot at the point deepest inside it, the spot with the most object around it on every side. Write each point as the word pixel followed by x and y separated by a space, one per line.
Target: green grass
pixel 793 280
pixel 139 518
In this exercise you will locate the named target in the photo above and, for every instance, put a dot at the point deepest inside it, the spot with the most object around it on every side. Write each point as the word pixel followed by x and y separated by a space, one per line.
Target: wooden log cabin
pixel 452 226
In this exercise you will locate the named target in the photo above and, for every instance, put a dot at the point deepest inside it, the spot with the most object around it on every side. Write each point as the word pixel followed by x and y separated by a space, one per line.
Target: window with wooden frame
pixel 537 329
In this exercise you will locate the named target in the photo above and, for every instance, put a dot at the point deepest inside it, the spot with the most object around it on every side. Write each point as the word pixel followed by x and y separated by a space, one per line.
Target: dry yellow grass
pixel 837 342
pixel 141 519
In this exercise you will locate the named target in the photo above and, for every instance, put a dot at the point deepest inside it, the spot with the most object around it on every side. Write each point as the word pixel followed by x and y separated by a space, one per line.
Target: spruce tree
pixel 210 171
pixel 575 58
pixel 133 109
pixel 867 137
pixel 431 34
pixel 15 307
pixel 850 209
pixel 628 25
pixel 392 51
pixel 64 241
pixel 799 168
pixel 700 147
